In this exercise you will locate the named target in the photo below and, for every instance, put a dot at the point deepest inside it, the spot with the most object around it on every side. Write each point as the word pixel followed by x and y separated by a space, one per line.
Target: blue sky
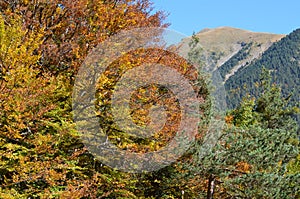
pixel 188 16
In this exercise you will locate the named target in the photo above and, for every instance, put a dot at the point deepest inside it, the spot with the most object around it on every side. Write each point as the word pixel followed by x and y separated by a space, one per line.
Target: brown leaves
pixel 42 45
pixel 73 27
pixel 144 99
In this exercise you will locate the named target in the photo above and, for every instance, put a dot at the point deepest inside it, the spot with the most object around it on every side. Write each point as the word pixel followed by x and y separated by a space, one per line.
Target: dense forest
pixel 42 46
pixel 282 59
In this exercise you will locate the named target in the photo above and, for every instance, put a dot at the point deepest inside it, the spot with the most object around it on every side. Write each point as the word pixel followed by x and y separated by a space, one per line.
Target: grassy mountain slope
pixel 220 44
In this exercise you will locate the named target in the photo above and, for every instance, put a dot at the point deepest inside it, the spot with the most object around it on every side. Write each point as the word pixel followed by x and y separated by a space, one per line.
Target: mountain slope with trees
pixel 282 59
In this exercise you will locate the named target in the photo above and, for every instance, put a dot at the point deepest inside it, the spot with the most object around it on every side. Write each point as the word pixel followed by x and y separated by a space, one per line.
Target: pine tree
pixel 252 157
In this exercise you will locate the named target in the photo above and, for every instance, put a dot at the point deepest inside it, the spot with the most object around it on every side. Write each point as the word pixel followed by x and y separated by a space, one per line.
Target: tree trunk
pixel 211 187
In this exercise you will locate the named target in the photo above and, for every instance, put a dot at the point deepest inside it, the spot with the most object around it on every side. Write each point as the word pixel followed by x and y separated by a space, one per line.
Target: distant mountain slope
pixel 220 44
pixel 282 58
pixel 239 55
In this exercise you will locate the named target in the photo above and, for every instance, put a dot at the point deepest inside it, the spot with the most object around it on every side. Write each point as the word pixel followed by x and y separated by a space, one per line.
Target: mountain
pixel 239 56
pixel 221 44
pixel 282 59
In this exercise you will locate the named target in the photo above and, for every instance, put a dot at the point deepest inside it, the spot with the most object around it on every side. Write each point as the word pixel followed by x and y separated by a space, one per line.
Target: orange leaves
pixel 42 44
pixel 243 167
pixel 229 119
pixel 73 27
pixel 144 101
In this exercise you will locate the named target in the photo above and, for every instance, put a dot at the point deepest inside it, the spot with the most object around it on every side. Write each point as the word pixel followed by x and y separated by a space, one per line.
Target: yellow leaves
pixel 59 10
pixel 103 80
pixel 35 120
pixel 43 140
pixel 17 49
pixel 294 165
pixel 11 149
pixel 244 167
pixel 10 194
pixel 23 92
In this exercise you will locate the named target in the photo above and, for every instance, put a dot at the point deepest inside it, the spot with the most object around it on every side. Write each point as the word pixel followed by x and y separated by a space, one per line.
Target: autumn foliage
pixel 43 43
pixel 73 27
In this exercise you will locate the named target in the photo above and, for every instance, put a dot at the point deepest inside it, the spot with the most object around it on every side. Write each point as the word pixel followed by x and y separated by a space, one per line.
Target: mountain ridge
pixel 220 44
pixel 239 56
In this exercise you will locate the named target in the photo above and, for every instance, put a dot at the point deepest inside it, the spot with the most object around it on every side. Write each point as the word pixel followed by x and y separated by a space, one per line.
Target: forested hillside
pixel 283 61
pixel 229 65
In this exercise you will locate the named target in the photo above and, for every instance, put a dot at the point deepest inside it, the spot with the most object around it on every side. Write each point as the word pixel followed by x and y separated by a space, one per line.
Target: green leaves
pixel 255 156
pixel 264 139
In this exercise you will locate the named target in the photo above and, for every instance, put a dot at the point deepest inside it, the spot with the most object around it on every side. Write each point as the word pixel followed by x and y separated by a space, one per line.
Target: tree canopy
pixel 43 43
